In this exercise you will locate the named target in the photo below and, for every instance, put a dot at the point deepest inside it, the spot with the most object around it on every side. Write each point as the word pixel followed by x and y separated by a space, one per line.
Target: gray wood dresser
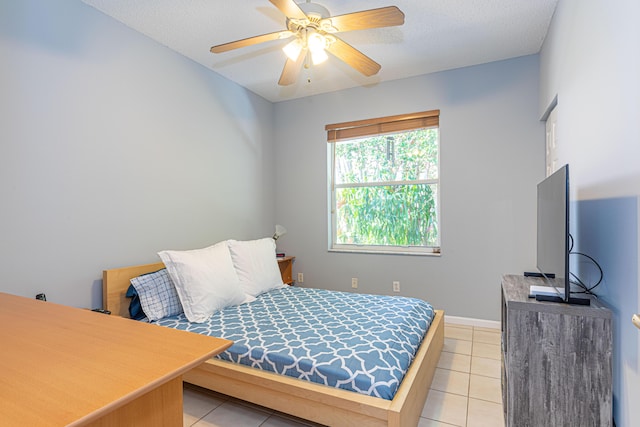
pixel 556 360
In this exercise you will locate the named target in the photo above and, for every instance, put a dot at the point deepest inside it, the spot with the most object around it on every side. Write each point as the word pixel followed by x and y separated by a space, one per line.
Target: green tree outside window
pixel 386 190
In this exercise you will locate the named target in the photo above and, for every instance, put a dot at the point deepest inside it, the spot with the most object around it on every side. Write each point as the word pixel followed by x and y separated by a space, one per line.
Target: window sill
pixel 385 252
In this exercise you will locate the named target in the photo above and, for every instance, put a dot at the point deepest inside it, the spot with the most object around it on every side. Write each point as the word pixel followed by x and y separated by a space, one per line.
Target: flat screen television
pixel 553 237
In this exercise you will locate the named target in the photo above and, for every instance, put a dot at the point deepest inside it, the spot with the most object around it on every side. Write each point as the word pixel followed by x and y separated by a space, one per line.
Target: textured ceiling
pixel 437 35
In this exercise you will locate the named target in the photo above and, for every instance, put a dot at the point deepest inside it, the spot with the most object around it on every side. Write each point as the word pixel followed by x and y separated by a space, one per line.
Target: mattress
pixel 356 342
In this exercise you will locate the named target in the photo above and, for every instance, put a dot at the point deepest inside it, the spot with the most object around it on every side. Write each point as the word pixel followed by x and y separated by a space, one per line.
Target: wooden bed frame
pixel 311 401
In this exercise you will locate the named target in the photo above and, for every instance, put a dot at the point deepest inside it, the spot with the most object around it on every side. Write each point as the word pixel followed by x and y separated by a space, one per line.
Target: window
pixel 384 184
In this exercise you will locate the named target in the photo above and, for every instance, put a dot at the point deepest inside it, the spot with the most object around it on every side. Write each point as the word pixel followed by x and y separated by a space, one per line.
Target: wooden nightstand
pixel 286 269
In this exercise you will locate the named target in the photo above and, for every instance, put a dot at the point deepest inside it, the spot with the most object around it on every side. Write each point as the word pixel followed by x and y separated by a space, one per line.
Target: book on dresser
pixel 556 359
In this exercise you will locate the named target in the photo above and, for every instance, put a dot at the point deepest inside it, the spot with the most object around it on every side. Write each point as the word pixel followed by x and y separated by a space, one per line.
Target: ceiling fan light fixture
pixel 316 42
pixel 319 56
pixel 293 49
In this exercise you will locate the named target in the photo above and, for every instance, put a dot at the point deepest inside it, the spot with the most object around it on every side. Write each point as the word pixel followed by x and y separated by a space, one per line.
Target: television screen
pixel 553 227
pixel 553 236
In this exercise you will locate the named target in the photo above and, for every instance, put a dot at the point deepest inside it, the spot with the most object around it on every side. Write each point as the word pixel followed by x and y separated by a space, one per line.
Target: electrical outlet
pixel 300 278
pixel 396 286
pixel 354 283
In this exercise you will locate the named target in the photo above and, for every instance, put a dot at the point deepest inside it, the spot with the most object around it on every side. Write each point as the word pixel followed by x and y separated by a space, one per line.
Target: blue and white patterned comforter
pixel 363 343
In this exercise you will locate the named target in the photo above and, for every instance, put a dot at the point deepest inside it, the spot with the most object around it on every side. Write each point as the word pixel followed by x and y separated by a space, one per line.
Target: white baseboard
pixel 469 321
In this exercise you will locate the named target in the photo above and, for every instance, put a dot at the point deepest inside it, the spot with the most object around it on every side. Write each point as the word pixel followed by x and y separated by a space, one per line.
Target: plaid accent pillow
pixel 158 295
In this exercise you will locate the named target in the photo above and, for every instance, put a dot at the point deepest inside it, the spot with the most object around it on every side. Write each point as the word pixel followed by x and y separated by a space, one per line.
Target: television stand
pixel 573 301
pixel 556 360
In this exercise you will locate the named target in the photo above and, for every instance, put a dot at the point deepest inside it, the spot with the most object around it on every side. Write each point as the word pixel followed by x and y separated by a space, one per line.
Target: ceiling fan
pixel 313 31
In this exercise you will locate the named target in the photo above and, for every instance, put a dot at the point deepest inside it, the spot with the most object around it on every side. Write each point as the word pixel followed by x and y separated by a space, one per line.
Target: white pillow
pixel 256 265
pixel 205 279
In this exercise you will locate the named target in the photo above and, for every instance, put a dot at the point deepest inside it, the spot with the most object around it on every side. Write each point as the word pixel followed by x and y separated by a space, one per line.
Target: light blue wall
pixel 492 156
pixel 113 147
pixel 590 62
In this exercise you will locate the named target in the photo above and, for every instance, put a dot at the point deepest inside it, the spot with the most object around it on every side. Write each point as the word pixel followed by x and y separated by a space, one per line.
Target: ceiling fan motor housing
pixel 314 10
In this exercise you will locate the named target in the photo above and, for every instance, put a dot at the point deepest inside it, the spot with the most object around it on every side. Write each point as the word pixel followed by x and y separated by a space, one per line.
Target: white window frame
pixel 331 194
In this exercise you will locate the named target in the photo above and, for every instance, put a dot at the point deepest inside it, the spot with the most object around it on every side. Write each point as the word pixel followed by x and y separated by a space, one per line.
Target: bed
pixel 315 402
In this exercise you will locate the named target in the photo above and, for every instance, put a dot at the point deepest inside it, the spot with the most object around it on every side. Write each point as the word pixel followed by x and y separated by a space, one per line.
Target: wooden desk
pixel 67 366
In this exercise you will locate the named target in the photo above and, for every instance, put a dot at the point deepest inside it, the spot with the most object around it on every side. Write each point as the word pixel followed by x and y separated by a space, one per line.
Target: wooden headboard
pixel 115 283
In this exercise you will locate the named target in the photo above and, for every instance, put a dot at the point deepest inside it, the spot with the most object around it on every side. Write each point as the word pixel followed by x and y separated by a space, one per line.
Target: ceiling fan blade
pixel 251 41
pixel 289 8
pixel 353 57
pixel 373 18
pixel 292 69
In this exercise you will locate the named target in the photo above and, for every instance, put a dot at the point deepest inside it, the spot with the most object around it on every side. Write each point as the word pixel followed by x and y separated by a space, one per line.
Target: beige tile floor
pixel 465 391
